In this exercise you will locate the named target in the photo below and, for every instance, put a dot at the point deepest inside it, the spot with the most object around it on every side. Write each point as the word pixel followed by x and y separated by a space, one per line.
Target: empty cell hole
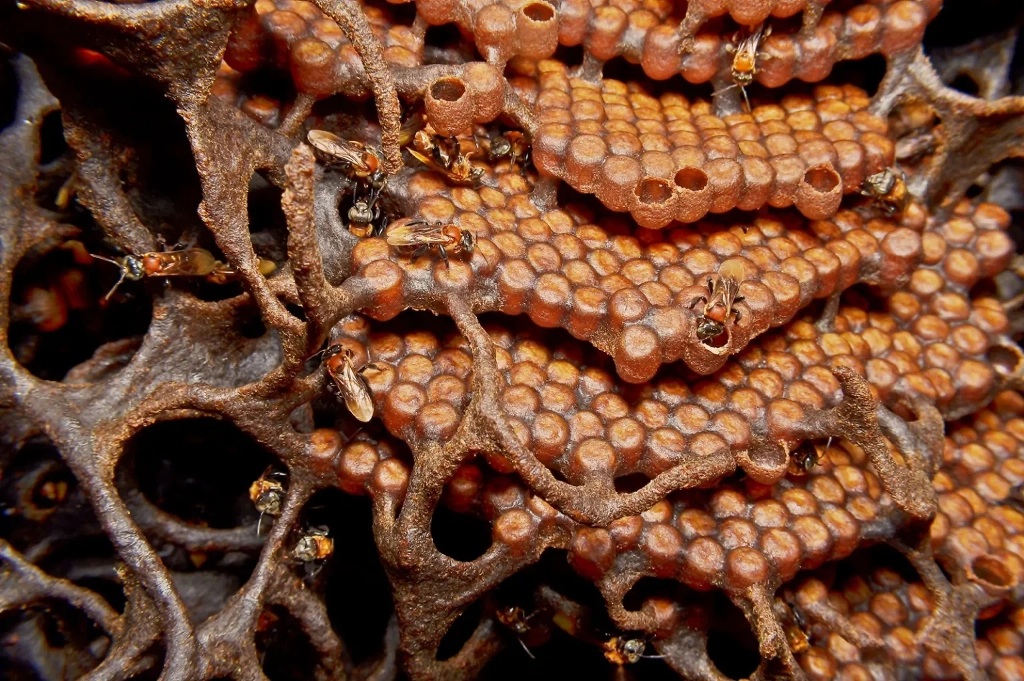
pixel 539 12
pixel 51 138
pixel 459 632
pixel 822 179
pixel 628 484
pixel 993 571
pixel 691 179
pixel 458 535
pixel 284 648
pixel 448 89
pixel 358 595
pixel 732 646
pixel 8 93
pixel 49 640
pixel 199 470
pixel 653 190
pixel 1005 359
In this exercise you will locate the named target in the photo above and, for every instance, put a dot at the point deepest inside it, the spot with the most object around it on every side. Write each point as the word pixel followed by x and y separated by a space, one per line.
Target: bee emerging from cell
pixel 313 549
pixel 723 294
pixel 349 384
pixel 744 61
pixel 888 191
pixel 424 236
pixel 267 494
pixel 363 213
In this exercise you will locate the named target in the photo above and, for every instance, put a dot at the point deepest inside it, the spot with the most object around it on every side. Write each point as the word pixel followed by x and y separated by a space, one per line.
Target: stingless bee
pixel 444 150
pixel 622 651
pixel 189 262
pixel 267 494
pixel 512 145
pixel 313 548
pixel 349 384
pixel 807 456
pixel 446 238
pixel 444 155
pixel 888 190
pixel 222 272
pixel 360 162
pixel 744 60
pixel 516 620
pixel 363 213
pixel 723 294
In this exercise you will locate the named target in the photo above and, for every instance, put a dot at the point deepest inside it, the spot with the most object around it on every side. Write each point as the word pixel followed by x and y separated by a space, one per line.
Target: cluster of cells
pixel 664 159
pixel 593 358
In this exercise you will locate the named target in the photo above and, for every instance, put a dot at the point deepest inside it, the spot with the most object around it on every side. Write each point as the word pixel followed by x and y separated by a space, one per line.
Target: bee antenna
pixel 124 273
pixel 106 259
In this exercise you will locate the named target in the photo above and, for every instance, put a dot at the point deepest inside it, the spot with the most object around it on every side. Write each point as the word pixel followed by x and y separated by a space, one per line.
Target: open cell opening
pixel 539 11
pixel 822 179
pixel 198 470
pixel 691 179
pixel 448 89
pixel 653 190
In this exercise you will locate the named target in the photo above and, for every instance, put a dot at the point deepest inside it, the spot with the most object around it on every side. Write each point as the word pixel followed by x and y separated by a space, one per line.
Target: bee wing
pixel 191 262
pixel 336 147
pixel 425 160
pixel 731 269
pixel 356 394
pixel 414 234
pixel 408 130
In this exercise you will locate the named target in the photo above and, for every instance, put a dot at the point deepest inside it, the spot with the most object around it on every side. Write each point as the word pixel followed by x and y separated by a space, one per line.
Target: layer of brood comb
pixel 576 445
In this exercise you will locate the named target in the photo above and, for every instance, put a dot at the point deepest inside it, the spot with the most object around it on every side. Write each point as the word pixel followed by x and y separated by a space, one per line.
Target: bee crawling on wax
pixel 424 236
pixel 267 494
pixel 313 548
pixel 744 60
pixel 723 294
pixel 349 383
pixel 888 190
pixel 362 163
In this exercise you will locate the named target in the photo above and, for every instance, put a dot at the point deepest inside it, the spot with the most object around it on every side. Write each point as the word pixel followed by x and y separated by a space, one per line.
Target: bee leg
pixel 737 313
pixel 444 256
pixel 532 656
pixel 746 99
pixel 698 299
